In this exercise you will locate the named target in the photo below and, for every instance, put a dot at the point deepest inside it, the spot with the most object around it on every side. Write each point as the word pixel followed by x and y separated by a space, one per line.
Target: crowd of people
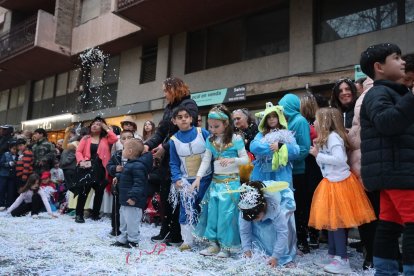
pixel 279 182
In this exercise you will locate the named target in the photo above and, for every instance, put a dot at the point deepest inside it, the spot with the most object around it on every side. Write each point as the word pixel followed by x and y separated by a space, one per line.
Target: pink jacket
pixel 83 152
pixel 354 135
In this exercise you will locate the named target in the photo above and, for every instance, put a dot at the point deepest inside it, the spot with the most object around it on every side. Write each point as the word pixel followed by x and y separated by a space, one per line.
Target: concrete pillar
pixel 162 58
pixel 301 54
pixel 64 13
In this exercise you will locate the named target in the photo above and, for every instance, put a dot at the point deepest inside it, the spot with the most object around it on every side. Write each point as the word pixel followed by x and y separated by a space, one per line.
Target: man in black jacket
pixel 387 149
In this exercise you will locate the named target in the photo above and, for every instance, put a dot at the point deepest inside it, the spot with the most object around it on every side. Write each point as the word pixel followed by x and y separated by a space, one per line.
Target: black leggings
pixel 35 206
pixel 97 200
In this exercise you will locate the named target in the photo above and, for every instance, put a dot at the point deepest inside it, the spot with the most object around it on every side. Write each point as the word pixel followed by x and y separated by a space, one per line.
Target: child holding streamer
pixel 218 222
pixel 339 201
pixel 187 148
pixel 274 147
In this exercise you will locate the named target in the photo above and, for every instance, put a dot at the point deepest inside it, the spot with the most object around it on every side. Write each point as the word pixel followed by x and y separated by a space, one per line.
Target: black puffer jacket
pixel 166 128
pixel 387 137
pixel 133 182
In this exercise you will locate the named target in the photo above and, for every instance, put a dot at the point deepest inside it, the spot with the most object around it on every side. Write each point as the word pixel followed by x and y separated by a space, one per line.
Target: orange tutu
pixel 342 204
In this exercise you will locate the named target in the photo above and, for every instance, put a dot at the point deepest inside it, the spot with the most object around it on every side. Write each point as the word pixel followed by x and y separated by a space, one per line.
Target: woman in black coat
pixel 176 94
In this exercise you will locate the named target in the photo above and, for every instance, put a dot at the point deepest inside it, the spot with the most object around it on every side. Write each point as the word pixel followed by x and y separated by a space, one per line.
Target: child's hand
pixel 114 181
pixel 272 262
pixel 275 146
pixel 314 151
pixel 53 215
pixel 131 202
pixel 119 168
pixel 178 184
pixel 247 254
pixel 195 185
pixel 226 161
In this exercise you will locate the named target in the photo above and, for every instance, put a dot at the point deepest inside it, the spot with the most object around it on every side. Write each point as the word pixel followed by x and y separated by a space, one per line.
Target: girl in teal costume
pixel 218 222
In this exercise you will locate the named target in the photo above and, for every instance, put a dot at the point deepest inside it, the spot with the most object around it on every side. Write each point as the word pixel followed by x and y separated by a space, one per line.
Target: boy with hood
pixel 298 125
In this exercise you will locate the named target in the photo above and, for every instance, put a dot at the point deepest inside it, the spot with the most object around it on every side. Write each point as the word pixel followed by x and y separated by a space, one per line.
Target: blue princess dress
pixel 260 147
pixel 275 234
pixel 218 221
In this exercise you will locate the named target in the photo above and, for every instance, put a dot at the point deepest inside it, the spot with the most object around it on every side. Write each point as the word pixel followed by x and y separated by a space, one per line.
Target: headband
pixel 218 115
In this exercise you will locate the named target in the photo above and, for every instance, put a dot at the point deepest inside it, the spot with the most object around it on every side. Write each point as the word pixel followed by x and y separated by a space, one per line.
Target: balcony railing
pixel 18 38
pixel 122 4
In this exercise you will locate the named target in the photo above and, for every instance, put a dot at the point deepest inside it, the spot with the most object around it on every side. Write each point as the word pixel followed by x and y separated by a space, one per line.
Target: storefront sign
pixel 225 95
pixel 49 123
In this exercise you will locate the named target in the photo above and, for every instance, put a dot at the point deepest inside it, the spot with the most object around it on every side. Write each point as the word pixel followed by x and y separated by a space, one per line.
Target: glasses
pixel 236 118
pixel 245 111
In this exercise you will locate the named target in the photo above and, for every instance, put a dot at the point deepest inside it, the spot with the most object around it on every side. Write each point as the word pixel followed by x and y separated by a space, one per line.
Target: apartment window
pixel 90 10
pixel 4 99
pixel 73 80
pixel 149 63
pixel 49 88
pixel 61 84
pixel 245 38
pixel 97 71
pixel 337 19
pixel 38 91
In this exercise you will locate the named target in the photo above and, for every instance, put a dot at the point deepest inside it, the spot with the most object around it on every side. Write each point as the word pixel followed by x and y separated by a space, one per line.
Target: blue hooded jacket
pixel 300 127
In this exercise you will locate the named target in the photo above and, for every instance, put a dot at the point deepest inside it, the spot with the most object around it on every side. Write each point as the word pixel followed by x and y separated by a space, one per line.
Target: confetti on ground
pixel 60 246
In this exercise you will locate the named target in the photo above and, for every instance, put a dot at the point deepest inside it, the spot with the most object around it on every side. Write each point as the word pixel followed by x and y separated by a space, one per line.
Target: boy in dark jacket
pixel 133 191
pixel 387 150
pixel 114 168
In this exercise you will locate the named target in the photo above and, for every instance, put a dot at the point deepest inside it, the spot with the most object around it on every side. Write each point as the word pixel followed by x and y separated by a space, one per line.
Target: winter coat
pixel 83 151
pixel 249 133
pixel 298 125
pixel 166 128
pixel 116 160
pixel 68 160
pixel 43 151
pixel 24 165
pixel 133 181
pixel 387 137
pixel 7 164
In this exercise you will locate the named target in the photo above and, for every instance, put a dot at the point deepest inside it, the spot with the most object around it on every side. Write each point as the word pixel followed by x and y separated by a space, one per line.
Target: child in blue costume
pixel 274 147
pixel 187 148
pixel 267 221
pixel 218 222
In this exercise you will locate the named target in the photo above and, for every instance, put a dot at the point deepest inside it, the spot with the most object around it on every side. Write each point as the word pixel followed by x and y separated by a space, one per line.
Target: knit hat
pixel 45 175
pixel 269 109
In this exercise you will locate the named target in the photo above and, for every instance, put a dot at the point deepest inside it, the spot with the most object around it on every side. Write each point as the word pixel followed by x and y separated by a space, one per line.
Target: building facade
pixel 242 53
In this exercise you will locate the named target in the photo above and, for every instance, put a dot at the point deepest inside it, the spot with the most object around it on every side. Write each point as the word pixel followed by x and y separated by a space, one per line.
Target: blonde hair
pixel 329 119
pixel 308 106
pixel 136 146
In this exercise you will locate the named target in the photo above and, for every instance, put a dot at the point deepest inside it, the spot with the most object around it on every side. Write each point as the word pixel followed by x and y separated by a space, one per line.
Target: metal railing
pixel 122 4
pixel 18 39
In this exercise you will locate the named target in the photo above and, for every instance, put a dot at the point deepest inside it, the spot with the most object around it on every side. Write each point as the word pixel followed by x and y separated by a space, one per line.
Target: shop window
pixel 49 88
pixel 245 38
pixel 90 10
pixel 337 19
pixel 38 91
pixel 148 63
pixel 61 84
pixel 4 99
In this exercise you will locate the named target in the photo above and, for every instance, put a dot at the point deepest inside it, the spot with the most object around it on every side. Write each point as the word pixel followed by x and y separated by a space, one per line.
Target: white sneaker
pixel 324 261
pixel 224 253
pixel 2 208
pixel 338 266
pixel 213 249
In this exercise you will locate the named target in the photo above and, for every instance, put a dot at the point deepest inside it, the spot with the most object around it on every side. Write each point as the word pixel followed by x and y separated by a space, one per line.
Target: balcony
pixel 109 32
pixel 28 6
pixel 29 51
pixel 161 17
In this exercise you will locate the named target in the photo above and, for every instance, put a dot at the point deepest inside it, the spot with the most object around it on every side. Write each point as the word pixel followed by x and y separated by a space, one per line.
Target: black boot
pixel 79 219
